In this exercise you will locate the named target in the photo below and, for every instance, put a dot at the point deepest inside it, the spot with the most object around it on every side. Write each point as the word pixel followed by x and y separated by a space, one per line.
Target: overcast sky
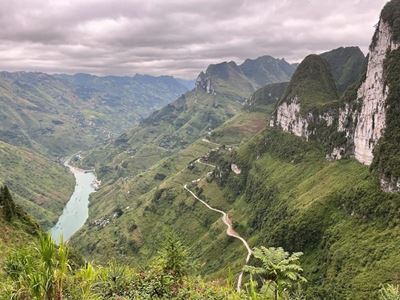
pixel 174 37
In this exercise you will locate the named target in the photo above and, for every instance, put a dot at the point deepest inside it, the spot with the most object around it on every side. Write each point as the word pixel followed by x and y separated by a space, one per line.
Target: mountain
pixel 312 86
pixel 266 97
pixel 266 69
pixel 134 165
pixel 347 65
pixel 39 185
pixel 363 123
pixel 189 84
pixel 247 77
pixel 219 94
pixel 59 114
pixel 284 186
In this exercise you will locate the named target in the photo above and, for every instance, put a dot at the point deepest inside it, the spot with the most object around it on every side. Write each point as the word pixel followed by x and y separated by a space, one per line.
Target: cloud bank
pixel 174 37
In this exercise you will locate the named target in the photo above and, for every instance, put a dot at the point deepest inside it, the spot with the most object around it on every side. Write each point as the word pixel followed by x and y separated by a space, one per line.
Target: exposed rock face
pixel 373 92
pixel 203 82
pixel 390 184
pixel 288 118
pixel 337 153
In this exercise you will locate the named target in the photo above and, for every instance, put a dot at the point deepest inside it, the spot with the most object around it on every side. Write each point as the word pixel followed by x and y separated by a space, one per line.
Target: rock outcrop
pixel 371 120
pixel 203 82
pixel 289 119
pixel 311 87
pixel 356 124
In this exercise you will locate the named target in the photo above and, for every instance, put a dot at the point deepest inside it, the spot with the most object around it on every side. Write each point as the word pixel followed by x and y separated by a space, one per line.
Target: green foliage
pixel 7 203
pixel 266 97
pixel 387 152
pixel 44 194
pixel 43 272
pixel 346 65
pixel 389 292
pixel 290 196
pixel 391 15
pixel 173 258
pixel 312 84
pixel 278 270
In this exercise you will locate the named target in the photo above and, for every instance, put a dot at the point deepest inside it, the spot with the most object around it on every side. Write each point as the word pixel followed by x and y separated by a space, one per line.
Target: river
pixel 76 211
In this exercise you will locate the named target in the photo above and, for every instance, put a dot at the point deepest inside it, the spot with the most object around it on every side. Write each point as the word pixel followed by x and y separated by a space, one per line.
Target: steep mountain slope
pixel 289 195
pixel 219 94
pixel 16 227
pixel 283 187
pixel 346 64
pixel 266 97
pixel 266 69
pixel 39 185
pixel 311 88
pixel 158 151
pixel 58 114
pixel 245 78
pixel 364 122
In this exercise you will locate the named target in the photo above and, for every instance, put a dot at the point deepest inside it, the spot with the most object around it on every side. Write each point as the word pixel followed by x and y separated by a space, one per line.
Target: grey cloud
pixel 174 37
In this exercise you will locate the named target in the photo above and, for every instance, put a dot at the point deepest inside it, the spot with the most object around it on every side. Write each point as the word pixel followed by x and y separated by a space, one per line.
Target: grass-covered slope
pixel 16 227
pixel 155 199
pixel 59 114
pixel 265 98
pixel 312 84
pixel 289 195
pixel 39 185
pixel 220 93
pixel 346 64
pixel 162 134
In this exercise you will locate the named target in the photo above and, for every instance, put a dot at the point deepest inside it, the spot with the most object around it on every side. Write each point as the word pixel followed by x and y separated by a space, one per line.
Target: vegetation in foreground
pixel 46 271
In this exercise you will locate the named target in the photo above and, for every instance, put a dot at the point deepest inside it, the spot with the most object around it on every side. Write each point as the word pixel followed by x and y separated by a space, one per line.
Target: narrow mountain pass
pixel 230 231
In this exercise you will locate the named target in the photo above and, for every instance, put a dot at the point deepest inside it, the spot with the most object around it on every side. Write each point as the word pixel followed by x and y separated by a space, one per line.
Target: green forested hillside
pixel 202 199
pixel 347 65
pixel 266 97
pixel 312 84
pixel 334 212
pixel 41 186
pixel 266 69
pixel 59 114
pixel 136 166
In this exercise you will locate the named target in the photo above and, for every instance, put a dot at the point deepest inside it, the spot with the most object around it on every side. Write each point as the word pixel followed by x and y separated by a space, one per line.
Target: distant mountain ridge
pixel 252 74
pixel 57 114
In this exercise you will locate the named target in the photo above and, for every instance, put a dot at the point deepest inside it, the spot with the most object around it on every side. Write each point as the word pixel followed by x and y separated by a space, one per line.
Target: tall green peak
pixel 346 65
pixel 267 69
pixel 312 84
pixel 268 95
pixel 391 15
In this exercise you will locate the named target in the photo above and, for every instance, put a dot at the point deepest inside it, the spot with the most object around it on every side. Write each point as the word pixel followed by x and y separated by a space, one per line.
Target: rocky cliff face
pixel 311 88
pixel 289 119
pixel 356 124
pixel 203 82
pixel 371 120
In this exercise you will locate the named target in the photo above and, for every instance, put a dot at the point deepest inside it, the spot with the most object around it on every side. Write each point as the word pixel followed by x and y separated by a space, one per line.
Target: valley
pixel 260 179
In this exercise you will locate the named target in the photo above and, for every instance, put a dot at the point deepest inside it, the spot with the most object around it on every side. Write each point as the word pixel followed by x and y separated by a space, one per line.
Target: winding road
pixel 230 231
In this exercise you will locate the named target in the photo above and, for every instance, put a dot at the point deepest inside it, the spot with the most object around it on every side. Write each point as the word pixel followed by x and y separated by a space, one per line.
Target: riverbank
pixel 76 211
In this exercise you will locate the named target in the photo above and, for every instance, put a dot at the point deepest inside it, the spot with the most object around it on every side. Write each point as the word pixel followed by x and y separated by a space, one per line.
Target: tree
pixel 276 269
pixel 7 202
pixel 173 257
